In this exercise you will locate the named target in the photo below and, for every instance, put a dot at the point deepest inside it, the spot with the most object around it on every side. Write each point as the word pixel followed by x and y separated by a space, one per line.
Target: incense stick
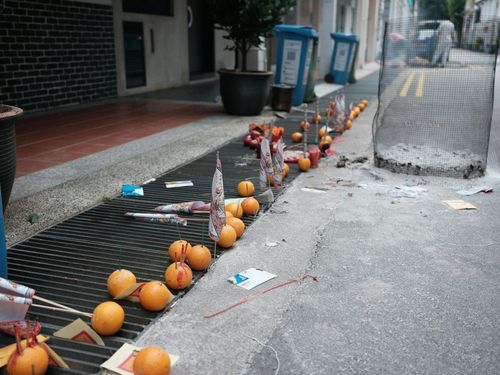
pixel 53 303
pixel 88 315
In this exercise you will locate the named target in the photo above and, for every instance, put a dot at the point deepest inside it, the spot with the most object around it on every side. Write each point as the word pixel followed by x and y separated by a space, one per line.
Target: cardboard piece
pixel 122 362
pixel 78 330
pixel 176 184
pixel 459 204
pixel 251 278
pixel 131 293
pixel 54 359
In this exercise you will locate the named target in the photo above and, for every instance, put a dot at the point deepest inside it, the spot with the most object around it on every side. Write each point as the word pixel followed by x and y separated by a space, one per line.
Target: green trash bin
pixel 309 95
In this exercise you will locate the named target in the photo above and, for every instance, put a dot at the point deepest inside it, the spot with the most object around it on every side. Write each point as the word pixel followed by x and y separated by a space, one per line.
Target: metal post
pixel 3 247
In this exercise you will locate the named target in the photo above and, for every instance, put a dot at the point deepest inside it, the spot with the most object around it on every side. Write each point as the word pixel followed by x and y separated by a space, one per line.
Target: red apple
pixel 254 144
pixel 247 140
pixel 260 138
pixel 254 134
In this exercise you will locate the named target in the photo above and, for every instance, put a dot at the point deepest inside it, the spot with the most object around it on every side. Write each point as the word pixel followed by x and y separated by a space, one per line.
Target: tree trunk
pixel 236 59
pixel 244 53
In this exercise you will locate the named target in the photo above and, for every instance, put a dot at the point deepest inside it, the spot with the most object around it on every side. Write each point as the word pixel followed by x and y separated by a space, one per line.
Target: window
pixel 156 7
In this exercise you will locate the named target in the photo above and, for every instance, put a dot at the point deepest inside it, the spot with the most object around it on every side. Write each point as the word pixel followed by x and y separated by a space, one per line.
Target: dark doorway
pixel 201 40
pixel 135 68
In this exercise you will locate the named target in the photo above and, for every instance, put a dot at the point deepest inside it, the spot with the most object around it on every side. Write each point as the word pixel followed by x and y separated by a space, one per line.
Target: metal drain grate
pixel 71 261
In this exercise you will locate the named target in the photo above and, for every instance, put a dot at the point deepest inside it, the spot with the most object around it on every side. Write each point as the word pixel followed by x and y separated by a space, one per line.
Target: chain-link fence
pixel 435 99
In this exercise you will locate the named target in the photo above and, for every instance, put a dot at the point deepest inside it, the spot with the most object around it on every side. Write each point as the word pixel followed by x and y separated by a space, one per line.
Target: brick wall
pixel 56 53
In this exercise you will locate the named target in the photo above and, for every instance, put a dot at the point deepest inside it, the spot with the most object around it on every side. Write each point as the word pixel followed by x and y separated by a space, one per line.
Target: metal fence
pixel 435 100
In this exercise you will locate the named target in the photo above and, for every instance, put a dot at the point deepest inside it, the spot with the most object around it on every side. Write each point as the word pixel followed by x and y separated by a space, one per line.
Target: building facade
pixel 55 53
pixel 481 29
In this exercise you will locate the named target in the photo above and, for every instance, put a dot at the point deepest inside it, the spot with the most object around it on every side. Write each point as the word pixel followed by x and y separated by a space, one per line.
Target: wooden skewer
pixel 88 315
pixel 65 308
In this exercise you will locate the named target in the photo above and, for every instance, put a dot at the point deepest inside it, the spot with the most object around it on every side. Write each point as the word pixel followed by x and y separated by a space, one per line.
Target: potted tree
pixel 8 117
pixel 246 22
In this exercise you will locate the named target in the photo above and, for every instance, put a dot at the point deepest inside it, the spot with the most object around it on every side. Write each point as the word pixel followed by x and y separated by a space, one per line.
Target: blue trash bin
pixel 342 56
pixel 295 47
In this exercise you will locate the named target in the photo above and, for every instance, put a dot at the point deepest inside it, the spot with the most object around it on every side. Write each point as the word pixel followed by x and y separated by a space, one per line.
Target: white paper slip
pixel 251 278
pixel 313 190
pixel 175 184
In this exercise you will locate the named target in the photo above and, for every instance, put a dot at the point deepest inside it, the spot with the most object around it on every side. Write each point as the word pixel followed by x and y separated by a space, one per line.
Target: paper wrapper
pixel 122 362
pixel 10 287
pixel 217 216
pixel 131 293
pixel 13 307
pixel 78 330
pixel 184 207
pixel 157 218
pixel 266 164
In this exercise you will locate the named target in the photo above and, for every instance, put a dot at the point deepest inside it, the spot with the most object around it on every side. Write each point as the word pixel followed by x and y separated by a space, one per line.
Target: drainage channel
pixel 70 261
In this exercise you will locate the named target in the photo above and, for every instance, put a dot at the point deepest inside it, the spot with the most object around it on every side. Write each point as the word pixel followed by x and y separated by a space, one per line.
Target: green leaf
pixel 33 218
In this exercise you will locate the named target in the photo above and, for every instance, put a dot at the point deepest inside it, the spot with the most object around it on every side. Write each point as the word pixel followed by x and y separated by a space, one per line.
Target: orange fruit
pixel 176 248
pixel 304 125
pixel 246 189
pixel 286 170
pixel 323 146
pixel 365 102
pixel 297 137
pixel 250 206
pixel 120 280
pixel 322 131
pixel 237 224
pixel 316 117
pixel 199 258
pixel 107 318
pixel 152 360
pixel 227 237
pixel 33 360
pixel 178 276
pixel 349 124
pixel 228 214
pixel 235 209
pixel 327 139
pixel 154 296
pixel 304 164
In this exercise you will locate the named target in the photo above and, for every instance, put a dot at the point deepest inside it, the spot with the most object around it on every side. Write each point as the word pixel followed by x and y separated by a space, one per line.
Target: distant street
pixel 438 110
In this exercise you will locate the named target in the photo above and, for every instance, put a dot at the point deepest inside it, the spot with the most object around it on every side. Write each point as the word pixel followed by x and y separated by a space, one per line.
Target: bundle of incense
pixel 15 299
pixel 184 207
pixel 162 218
pixel 158 218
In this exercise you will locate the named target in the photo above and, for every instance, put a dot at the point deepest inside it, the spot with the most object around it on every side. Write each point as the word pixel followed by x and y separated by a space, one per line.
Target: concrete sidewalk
pixel 406 285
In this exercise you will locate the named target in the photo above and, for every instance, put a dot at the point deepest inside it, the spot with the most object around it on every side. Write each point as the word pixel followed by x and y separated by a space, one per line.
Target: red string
pixel 285 283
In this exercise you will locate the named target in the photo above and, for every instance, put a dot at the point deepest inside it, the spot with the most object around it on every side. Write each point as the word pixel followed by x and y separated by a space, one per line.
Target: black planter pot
pixel 244 93
pixel 8 117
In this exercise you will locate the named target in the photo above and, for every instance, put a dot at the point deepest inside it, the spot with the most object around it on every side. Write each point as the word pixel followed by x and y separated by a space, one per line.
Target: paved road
pixel 437 111
pixel 406 286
